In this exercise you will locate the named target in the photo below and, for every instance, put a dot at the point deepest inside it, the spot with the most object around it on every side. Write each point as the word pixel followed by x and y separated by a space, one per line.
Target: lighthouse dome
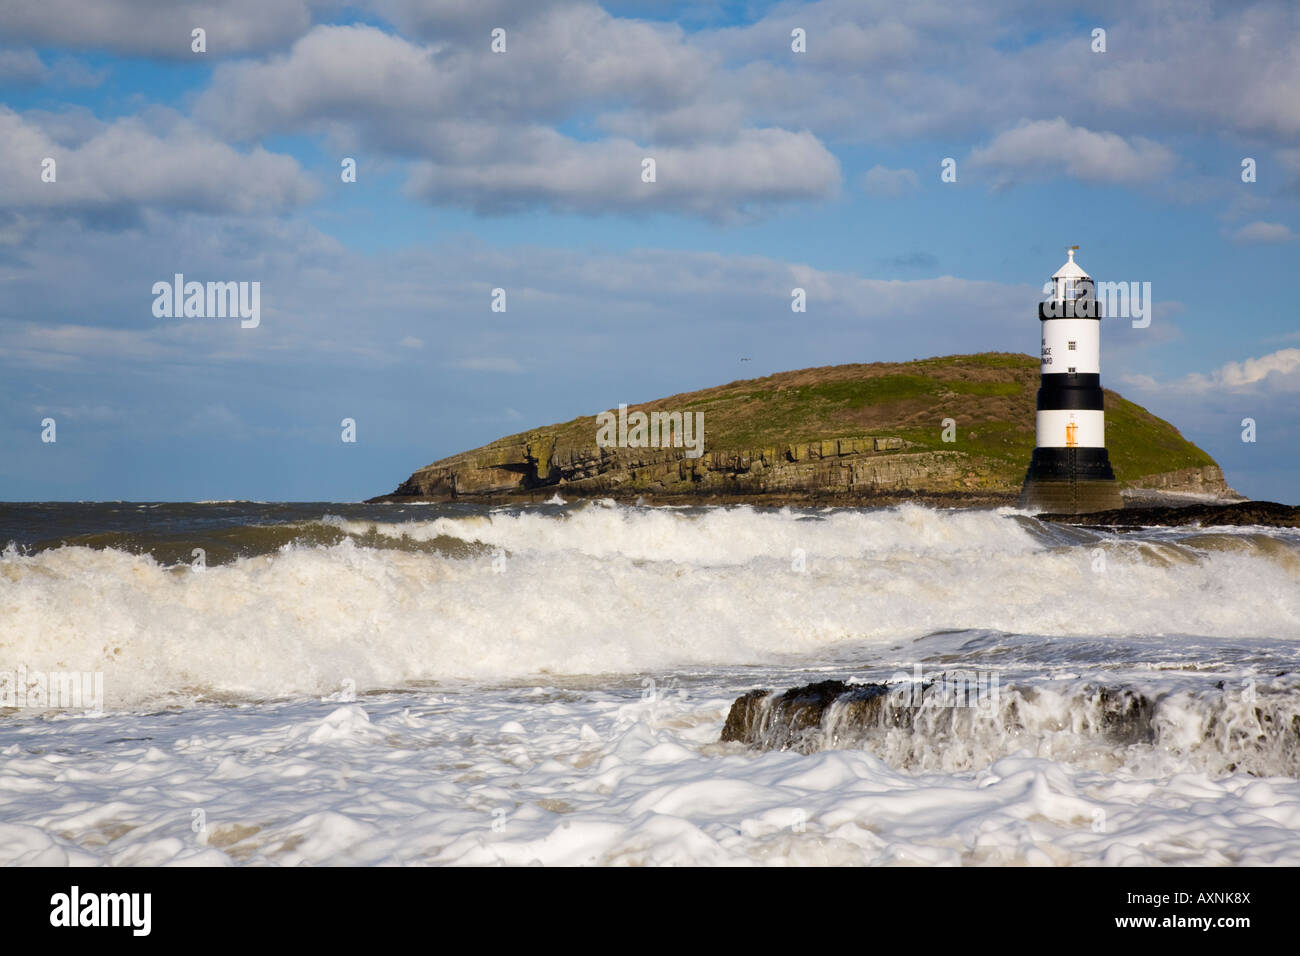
pixel 1070 281
pixel 1071 269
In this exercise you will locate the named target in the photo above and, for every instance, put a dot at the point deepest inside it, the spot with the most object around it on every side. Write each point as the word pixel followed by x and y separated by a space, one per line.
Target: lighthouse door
pixel 1071 435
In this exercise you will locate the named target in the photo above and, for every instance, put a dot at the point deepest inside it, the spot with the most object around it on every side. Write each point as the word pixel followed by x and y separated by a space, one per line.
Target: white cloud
pixel 1260 231
pixel 723 181
pixel 881 70
pixel 437 19
pixel 476 124
pixel 334 76
pixel 122 167
pixel 1049 148
pixel 1278 369
pixel 567 57
pixel 1242 374
pixel 158 28
pixel 702 121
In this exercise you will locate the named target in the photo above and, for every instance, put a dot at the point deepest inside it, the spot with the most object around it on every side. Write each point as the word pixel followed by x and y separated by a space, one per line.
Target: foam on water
pixel 613 589
pixel 459 776
pixel 585 659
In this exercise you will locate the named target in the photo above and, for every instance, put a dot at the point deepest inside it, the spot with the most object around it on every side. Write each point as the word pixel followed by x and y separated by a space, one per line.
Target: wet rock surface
pixel 958 720
pixel 832 712
pixel 781 721
pixel 1269 514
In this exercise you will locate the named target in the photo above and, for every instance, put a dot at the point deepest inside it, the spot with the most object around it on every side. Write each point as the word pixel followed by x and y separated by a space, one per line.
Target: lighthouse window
pixel 1072 346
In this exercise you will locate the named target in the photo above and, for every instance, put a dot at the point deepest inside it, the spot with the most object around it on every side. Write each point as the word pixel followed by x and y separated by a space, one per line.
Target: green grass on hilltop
pixel 991 396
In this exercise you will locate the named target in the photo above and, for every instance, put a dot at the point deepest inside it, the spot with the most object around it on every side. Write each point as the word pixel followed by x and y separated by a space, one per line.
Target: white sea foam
pixel 532 776
pixel 616 769
pixel 613 589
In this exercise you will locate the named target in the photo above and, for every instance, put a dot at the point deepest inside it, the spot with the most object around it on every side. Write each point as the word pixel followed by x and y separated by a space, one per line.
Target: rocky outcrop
pixel 957 719
pixel 1268 514
pixel 796 718
pixel 862 466
pixel 956 430
pixel 833 713
pixel 1207 481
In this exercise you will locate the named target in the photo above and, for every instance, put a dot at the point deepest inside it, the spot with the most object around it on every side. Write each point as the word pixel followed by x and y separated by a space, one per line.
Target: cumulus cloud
pixel 1278 369
pixel 725 181
pixel 129 165
pixel 573 56
pixel 1048 148
pixel 1260 231
pixel 470 121
pixel 1234 66
pixel 1242 374
pixel 159 28
pixel 697 122
pixel 877 69
pixel 331 77
pixel 433 19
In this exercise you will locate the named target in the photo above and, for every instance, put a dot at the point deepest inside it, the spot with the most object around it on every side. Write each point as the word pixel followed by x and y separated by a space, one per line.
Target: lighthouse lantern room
pixel 1070 472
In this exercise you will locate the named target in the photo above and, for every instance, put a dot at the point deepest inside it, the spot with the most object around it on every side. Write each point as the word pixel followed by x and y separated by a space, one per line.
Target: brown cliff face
pixel 837 468
pixel 955 429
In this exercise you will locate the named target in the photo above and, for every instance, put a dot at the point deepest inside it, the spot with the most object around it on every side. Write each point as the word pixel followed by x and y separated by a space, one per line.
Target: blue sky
pixel 521 170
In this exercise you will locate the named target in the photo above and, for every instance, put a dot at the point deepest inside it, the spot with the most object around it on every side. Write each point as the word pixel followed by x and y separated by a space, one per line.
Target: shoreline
pixel 765 499
pixel 1267 514
pixel 1146 509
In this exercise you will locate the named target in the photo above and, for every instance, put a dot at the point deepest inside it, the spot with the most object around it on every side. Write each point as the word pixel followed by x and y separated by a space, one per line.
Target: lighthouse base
pixel 1071 481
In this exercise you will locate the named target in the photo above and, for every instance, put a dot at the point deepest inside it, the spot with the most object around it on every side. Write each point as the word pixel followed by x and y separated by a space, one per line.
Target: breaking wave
pixel 305 608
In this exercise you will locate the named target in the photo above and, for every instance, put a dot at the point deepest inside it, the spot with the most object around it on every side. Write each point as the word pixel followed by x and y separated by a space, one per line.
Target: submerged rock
pixel 782 721
pixel 1127 717
pixel 832 712
pixel 952 722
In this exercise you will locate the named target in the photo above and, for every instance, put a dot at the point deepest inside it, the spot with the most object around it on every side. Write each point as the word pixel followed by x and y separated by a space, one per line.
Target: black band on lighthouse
pixel 1068 398
pixel 1070 380
pixel 1070 464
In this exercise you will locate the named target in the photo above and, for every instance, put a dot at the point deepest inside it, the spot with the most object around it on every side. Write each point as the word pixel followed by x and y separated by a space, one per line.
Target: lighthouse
pixel 1070 472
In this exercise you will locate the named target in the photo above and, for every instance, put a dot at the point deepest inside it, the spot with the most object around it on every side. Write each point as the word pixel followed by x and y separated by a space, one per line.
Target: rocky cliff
pixel 957 428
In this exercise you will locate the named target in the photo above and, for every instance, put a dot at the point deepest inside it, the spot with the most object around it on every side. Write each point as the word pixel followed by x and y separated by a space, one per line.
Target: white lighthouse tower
pixel 1070 471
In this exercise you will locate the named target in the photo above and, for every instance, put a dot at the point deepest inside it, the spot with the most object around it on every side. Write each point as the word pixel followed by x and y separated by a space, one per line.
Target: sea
pixel 247 683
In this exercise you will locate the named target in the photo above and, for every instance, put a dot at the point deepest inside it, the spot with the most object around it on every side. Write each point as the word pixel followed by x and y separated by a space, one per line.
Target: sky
pixel 521 168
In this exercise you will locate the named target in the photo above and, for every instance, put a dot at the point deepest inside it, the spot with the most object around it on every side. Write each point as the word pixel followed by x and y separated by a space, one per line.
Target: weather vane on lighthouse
pixel 1070 471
